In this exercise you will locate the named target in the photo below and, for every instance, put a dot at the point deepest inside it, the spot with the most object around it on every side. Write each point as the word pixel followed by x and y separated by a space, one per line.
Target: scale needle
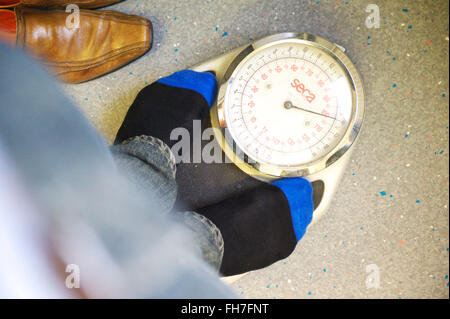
pixel 288 105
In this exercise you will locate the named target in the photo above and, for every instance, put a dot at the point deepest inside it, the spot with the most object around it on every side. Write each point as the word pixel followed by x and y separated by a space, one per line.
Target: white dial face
pixel 288 104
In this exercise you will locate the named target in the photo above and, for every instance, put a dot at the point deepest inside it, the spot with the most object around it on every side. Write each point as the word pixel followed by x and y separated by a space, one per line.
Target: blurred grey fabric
pixel 122 243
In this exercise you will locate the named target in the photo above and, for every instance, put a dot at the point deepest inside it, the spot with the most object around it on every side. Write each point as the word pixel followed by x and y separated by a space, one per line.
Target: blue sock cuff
pixel 298 192
pixel 201 82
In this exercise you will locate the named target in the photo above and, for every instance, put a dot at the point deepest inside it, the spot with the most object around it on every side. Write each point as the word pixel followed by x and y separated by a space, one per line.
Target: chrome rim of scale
pixel 292 106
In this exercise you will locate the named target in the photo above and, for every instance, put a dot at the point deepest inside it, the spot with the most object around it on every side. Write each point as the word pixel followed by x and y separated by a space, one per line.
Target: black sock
pixel 263 225
pixel 169 103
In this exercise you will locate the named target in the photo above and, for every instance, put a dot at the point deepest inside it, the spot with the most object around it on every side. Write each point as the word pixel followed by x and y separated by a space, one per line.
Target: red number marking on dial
pixel 324 112
pixel 318 128
pixel 264 130
pixel 291 141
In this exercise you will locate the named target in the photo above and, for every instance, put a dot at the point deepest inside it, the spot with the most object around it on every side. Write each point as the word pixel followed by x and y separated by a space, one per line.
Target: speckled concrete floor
pixel 391 210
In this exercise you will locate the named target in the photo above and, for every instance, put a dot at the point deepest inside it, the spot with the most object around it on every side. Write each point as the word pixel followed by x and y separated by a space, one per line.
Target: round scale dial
pixel 288 104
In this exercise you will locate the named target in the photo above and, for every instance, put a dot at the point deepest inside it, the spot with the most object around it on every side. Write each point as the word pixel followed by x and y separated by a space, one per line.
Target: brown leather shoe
pixel 86 4
pixel 104 41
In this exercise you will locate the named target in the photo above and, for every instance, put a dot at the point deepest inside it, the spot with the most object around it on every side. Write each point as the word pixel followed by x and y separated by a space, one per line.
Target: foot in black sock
pixel 169 103
pixel 262 226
